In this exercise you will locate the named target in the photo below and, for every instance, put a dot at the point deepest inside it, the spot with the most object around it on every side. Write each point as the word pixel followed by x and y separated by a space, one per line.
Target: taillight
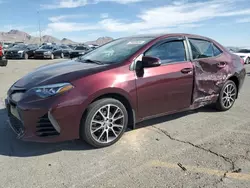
pixel 1 51
pixel 242 61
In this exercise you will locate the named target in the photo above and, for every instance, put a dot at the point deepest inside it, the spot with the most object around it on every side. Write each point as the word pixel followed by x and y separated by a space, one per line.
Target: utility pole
pixel 39 24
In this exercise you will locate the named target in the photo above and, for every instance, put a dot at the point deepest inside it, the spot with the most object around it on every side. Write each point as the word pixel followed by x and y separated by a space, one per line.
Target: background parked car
pixel 21 51
pixel 65 50
pixel 79 50
pixel 49 52
pixel 93 46
pixel 3 61
pixel 245 54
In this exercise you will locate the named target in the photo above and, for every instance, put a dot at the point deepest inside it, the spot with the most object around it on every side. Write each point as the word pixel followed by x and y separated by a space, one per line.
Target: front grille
pixel 45 128
pixel 16 124
pixel 12 53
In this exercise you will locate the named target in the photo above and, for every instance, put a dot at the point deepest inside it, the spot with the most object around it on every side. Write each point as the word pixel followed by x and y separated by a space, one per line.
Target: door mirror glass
pixel 147 62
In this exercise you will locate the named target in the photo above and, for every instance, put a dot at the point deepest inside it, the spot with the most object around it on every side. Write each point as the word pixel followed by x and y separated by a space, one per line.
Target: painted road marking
pixel 238 176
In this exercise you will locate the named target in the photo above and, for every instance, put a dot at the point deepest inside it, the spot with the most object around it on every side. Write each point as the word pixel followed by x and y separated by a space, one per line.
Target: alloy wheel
pixel 107 123
pixel 229 95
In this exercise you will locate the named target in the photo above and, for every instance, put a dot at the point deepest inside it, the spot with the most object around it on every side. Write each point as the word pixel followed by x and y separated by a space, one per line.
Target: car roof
pixel 165 35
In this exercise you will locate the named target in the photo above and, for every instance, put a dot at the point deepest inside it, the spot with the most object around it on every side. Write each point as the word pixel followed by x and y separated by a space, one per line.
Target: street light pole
pixel 39 27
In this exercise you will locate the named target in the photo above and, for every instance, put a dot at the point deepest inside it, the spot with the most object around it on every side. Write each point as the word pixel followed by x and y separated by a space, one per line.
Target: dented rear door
pixel 210 69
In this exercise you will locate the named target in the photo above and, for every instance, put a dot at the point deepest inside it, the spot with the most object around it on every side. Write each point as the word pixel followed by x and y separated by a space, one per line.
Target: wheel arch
pixel 123 99
pixel 235 79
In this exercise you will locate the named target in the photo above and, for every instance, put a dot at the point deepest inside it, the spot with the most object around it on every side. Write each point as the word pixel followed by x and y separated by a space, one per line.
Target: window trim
pixel 161 41
pixel 211 42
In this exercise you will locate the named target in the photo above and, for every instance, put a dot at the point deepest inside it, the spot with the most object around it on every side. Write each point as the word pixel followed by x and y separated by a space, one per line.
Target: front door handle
pixel 186 70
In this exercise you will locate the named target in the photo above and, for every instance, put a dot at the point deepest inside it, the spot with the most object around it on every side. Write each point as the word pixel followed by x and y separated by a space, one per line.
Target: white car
pixel 244 54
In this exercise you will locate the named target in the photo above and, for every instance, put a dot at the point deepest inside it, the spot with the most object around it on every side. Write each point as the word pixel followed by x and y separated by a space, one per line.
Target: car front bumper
pixel 42 56
pixel 14 56
pixel 48 120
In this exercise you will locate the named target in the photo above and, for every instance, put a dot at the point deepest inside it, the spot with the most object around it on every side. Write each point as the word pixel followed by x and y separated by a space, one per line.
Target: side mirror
pixel 147 62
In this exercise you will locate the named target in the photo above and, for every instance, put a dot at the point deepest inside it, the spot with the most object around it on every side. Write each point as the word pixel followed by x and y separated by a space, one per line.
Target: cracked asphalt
pixel 200 148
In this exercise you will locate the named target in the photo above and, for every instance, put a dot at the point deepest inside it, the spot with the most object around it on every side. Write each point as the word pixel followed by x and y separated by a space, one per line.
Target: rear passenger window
pixel 217 51
pixel 168 52
pixel 201 48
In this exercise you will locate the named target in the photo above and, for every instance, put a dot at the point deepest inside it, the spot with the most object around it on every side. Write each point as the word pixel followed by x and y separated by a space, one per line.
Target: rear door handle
pixel 186 70
pixel 221 64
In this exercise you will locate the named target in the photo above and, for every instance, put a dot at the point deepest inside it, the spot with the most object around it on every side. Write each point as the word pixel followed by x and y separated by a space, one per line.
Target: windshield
pixel 47 47
pixel 81 48
pixel 33 46
pixel 244 51
pixel 23 46
pixel 117 51
pixel 64 47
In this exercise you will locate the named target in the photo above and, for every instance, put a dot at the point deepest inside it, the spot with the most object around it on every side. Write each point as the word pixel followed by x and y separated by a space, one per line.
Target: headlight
pixel 81 53
pixel 50 90
pixel 47 53
pixel 20 52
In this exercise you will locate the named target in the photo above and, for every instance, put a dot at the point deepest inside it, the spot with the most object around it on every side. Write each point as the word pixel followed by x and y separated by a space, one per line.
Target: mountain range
pixel 21 36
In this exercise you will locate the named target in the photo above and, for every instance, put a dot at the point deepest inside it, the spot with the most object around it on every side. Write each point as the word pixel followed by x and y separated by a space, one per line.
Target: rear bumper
pixel 242 77
pixel 74 55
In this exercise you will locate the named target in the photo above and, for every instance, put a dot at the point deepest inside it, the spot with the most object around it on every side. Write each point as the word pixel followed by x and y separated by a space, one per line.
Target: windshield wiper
pixel 92 61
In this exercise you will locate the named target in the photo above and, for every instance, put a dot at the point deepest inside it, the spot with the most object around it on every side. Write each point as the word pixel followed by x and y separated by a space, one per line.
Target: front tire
pixel 62 55
pixel 227 96
pixel 52 56
pixel 248 60
pixel 104 122
pixel 26 56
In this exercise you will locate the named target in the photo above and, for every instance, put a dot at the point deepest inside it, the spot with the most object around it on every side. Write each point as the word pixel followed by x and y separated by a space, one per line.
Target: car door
pixel 210 66
pixel 56 51
pixel 166 88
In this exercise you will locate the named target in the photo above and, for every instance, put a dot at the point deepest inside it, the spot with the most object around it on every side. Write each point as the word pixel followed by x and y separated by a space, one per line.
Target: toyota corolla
pixel 98 95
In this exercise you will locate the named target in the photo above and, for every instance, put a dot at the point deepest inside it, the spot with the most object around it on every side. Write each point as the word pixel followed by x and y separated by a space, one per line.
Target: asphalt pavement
pixel 200 148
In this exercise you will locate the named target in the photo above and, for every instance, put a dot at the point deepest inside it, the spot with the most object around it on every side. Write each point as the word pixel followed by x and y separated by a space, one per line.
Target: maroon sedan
pixel 97 96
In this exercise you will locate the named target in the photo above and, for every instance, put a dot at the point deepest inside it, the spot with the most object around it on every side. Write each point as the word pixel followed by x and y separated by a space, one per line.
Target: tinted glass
pixel 217 51
pixel 20 46
pixel 64 47
pixel 201 48
pixel 168 52
pixel 244 51
pixel 47 47
pixel 117 50
pixel 32 46
pixel 81 48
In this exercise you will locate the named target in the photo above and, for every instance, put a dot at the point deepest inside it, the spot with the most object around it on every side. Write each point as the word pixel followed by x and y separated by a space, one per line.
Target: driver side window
pixel 168 52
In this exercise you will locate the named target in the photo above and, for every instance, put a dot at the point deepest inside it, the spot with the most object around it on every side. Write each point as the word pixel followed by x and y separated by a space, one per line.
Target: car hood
pixel 59 73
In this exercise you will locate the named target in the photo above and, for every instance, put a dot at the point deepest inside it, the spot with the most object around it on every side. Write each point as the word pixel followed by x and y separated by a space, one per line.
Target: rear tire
pixel 104 122
pixel 227 96
pixel 62 55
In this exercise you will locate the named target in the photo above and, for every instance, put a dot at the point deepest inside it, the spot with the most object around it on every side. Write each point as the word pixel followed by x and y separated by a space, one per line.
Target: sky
pixel 227 21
